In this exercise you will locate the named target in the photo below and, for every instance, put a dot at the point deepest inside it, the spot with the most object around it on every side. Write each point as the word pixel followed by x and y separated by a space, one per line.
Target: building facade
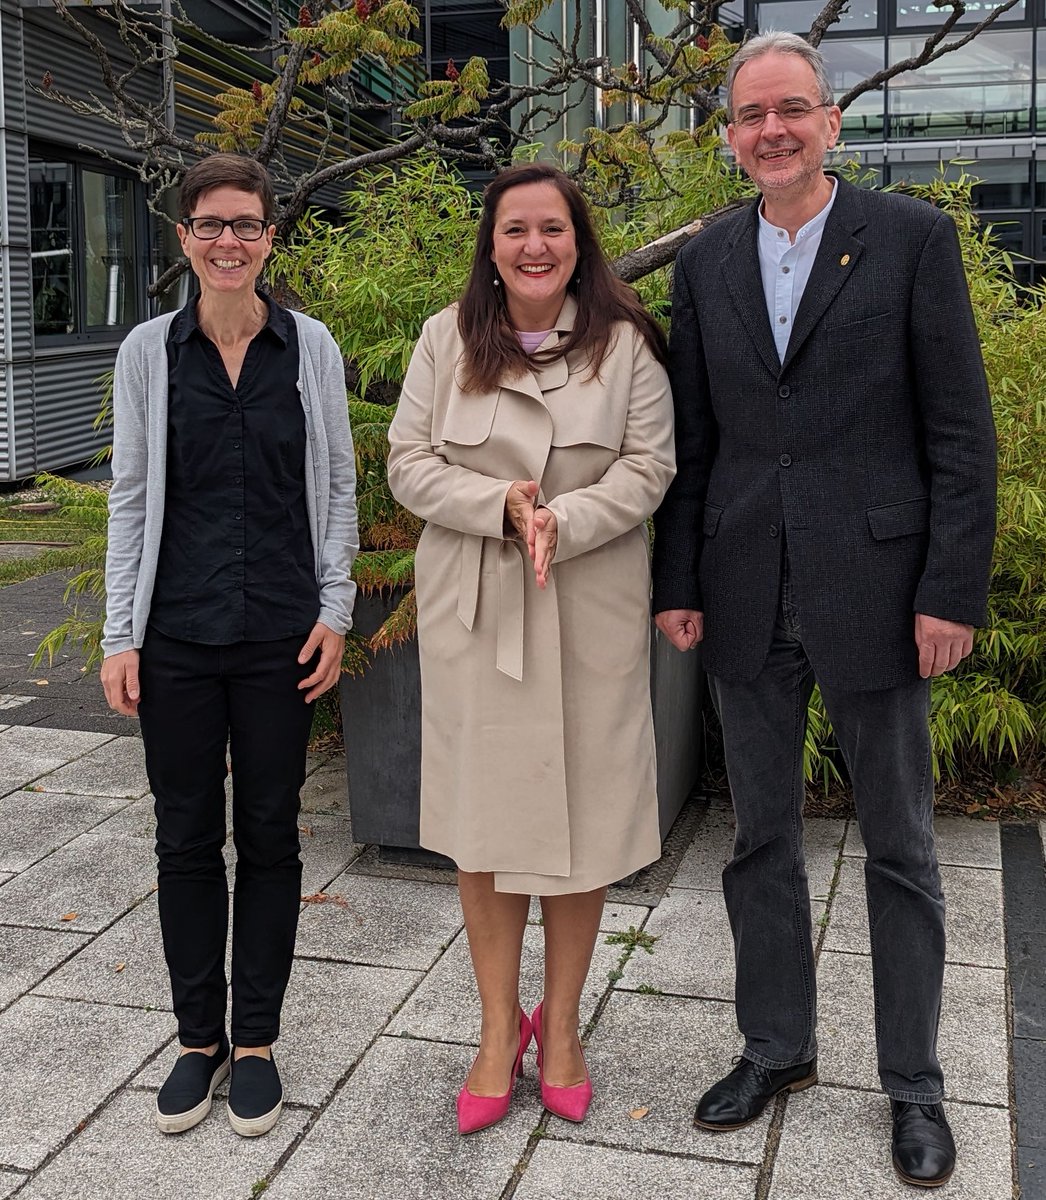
pixel 983 105
pixel 79 246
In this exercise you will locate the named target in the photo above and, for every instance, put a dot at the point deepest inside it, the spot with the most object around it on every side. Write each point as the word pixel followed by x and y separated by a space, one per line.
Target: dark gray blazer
pixel 870 450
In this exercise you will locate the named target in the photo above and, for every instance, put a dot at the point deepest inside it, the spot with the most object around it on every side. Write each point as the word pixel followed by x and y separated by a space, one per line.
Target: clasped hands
pixel 535 524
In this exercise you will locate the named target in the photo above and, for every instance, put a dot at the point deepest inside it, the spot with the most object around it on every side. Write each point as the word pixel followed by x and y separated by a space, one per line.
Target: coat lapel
pixel 837 256
pixel 744 283
pixel 544 377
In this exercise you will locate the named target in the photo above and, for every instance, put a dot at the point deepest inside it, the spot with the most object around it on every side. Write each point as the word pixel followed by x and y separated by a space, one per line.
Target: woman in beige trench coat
pixel 534 435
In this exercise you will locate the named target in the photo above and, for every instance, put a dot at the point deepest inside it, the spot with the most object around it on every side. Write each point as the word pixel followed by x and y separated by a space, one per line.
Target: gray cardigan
pixel 140 477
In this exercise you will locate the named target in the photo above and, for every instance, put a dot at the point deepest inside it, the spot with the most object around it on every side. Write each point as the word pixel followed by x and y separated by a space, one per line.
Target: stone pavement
pixel 381 1022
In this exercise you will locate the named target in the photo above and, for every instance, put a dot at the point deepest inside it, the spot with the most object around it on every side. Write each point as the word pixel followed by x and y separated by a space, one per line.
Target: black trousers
pixel 195 699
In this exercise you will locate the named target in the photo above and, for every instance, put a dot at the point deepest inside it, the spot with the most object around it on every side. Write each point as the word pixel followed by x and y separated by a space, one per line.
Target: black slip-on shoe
pixel 738 1099
pixel 185 1098
pixel 255 1095
pixel 923 1147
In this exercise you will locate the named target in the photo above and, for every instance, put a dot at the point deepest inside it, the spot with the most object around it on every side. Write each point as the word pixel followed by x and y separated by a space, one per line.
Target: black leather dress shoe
pixel 923 1148
pixel 739 1098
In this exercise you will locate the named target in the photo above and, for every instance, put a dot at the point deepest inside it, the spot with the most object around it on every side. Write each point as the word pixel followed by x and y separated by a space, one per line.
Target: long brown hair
pixel 492 349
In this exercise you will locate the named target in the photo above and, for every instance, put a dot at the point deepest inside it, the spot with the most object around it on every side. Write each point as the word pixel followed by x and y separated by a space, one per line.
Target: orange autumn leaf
pixel 70 916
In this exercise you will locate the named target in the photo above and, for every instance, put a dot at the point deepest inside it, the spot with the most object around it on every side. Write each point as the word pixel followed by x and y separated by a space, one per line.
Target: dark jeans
pixel 884 738
pixel 195 698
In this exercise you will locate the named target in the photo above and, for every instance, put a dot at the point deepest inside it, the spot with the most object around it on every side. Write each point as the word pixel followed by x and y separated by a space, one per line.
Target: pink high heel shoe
pixel 570 1103
pixel 479 1112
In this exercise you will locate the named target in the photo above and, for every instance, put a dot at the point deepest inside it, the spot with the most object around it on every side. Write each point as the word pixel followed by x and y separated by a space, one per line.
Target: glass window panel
pixel 849 62
pixel 109 241
pixel 51 247
pixel 731 18
pixel 796 16
pixel 983 88
pixel 922 12
pixel 1005 183
pixel 1040 183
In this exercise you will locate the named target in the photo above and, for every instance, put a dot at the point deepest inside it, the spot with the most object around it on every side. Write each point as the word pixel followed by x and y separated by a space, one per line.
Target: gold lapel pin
pixel 844 260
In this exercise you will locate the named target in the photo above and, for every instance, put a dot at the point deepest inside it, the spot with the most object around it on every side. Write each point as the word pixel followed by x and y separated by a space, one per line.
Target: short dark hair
pixel 227 170
pixel 492 349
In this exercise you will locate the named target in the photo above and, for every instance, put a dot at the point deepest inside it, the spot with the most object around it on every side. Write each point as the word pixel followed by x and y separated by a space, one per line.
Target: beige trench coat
pixel 537 737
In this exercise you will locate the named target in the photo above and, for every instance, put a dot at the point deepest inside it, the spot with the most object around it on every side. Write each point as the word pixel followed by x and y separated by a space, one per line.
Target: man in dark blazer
pixel 832 522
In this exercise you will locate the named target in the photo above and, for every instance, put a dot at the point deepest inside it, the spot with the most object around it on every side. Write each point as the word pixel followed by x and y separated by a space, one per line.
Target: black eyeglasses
pixel 791 114
pixel 208 228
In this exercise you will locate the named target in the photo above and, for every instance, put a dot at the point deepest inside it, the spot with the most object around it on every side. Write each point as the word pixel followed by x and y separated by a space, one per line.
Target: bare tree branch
pixel 646 259
pixel 828 15
pixel 932 49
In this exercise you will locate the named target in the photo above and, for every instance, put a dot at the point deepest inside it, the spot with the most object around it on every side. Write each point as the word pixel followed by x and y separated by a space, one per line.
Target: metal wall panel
pixel 51 47
pixel 66 397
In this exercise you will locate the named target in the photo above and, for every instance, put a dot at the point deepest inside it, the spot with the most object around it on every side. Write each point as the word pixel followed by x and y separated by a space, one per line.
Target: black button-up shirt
pixel 236 560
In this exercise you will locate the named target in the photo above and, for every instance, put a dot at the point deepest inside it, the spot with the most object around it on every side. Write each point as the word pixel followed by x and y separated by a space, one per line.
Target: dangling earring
pixel 497 280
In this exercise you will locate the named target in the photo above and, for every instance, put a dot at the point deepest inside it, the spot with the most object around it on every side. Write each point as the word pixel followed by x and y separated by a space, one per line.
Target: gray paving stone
pixel 124 965
pixel 709 852
pixel 5 876
pixel 327 849
pixel 1042 838
pixel 27 752
pixel 27 955
pixel 836 1144
pixel 60 1059
pixel 557 1169
pixel 136 819
pixel 973 1051
pixel 122 1155
pixel 961 842
pixel 380 922
pixel 33 824
pixel 712 847
pixel 115 769
pixel 391 1132
pixel 694 952
pixel 446 1005
pixel 332 1012
pixel 9 1180
pixel 326 788
pixel 661 1053
pixel 98 876
pixel 973 921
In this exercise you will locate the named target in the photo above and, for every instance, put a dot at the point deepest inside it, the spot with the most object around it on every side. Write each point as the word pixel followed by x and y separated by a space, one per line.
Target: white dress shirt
pixel 785 267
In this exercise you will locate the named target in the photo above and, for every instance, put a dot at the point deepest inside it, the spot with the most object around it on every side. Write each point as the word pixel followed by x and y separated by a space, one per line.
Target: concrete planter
pixel 381 722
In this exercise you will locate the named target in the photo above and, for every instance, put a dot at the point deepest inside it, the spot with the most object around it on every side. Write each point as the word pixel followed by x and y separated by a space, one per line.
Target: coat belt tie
pixel 511 586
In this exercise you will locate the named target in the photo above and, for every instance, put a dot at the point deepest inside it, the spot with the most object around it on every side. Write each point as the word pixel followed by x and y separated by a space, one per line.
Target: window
pixel 849 62
pixel 909 13
pixel 84 240
pixel 797 16
pixel 982 89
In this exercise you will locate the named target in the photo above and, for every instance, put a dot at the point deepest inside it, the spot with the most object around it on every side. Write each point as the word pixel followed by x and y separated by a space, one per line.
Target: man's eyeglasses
pixel 209 228
pixel 791 113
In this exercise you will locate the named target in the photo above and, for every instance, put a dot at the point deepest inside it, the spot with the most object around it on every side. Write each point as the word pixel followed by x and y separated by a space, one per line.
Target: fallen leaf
pixel 41 682
pixel 70 916
pixel 973 808
pixel 29 633
pixel 119 967
pixel 326 898
pixel 637 1114
pixel 307 830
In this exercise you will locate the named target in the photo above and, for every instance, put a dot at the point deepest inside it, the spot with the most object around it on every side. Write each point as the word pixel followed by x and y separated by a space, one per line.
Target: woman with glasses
pixel 232 532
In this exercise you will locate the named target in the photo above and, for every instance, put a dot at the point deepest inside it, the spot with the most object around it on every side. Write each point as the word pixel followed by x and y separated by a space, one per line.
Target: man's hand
pixel 519 506
pixel 942 644
pixel 120 681
pixel 684 627
pixel 331 646
pixel 541 543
